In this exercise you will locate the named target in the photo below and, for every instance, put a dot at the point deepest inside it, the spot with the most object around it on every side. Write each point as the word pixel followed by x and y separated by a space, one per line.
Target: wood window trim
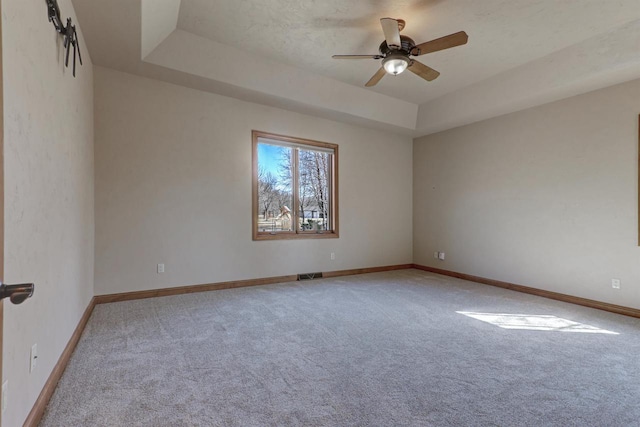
pixel 297 234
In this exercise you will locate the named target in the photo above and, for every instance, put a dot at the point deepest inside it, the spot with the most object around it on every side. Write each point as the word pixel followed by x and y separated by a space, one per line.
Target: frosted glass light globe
pixel 395 64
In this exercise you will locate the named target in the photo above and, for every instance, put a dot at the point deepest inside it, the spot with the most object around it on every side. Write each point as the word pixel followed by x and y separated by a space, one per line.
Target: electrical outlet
pixel 34 358
pixel 436 255
pixel 441 256
pixel 160 268
pixel 333 256
pixel 5 395
pixel 615 283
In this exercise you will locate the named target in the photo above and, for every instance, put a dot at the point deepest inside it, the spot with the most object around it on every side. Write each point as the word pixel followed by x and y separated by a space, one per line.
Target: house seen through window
pixel 294 188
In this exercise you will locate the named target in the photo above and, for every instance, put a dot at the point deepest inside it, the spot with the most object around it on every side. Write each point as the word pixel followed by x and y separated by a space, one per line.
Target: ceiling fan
pixel 396 51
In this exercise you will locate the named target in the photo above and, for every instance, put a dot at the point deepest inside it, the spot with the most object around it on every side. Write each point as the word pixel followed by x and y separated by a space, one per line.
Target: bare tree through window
pixel 294 187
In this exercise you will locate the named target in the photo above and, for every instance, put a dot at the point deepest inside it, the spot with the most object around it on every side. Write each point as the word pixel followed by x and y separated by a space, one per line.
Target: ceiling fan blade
pixel 446 42
pixel 391 32
pixel 423 71
pixel 376 77
pixel 357 56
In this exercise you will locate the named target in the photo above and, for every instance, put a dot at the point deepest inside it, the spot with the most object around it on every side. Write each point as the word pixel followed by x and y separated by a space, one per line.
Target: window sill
pixel 295 236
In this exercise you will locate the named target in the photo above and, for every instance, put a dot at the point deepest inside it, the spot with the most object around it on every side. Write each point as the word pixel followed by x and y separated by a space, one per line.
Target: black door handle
pixel 16 293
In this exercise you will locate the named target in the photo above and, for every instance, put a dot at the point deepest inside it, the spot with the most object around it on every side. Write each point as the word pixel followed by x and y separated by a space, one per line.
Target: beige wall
pixel 545 197
pixel 49 218
pixel 173 186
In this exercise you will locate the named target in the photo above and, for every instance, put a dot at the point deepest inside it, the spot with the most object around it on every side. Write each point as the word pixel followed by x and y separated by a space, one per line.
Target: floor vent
pixel 309 276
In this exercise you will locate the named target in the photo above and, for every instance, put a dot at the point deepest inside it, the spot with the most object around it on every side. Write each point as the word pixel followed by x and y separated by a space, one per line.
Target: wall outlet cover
pixel 34 358
pixel 5 395
pixel 441 256
pixel 160 268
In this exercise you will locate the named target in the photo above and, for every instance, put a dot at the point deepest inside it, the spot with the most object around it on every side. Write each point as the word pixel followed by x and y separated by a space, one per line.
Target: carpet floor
pixel 384 349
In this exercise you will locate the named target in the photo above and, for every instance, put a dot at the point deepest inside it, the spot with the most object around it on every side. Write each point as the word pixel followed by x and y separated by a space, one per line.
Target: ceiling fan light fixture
pixel 396 51
pixel 395 64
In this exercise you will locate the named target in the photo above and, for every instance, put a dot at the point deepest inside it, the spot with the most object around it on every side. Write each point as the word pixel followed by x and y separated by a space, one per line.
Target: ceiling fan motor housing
pixel 407 45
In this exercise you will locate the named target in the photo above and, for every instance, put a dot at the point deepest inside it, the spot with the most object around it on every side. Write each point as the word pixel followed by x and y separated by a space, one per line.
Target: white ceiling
pixel 520 53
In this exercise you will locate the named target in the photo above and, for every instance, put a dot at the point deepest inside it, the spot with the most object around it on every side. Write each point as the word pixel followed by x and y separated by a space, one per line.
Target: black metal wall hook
pixel 68 31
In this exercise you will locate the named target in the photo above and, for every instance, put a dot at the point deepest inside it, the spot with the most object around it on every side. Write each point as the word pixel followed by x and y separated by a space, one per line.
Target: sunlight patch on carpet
pixel 535 322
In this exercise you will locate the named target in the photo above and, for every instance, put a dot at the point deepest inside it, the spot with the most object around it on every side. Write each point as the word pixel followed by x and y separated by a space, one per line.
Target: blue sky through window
pixel 269 157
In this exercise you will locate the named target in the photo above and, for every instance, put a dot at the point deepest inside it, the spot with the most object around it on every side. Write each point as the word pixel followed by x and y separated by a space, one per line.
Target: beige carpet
pixel 388 349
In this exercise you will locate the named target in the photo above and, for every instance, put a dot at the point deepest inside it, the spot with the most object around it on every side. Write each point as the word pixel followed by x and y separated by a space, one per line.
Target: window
pixel 295 188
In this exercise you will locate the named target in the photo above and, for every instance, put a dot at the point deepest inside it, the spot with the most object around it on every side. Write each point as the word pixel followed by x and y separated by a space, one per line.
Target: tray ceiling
pixel 520 53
